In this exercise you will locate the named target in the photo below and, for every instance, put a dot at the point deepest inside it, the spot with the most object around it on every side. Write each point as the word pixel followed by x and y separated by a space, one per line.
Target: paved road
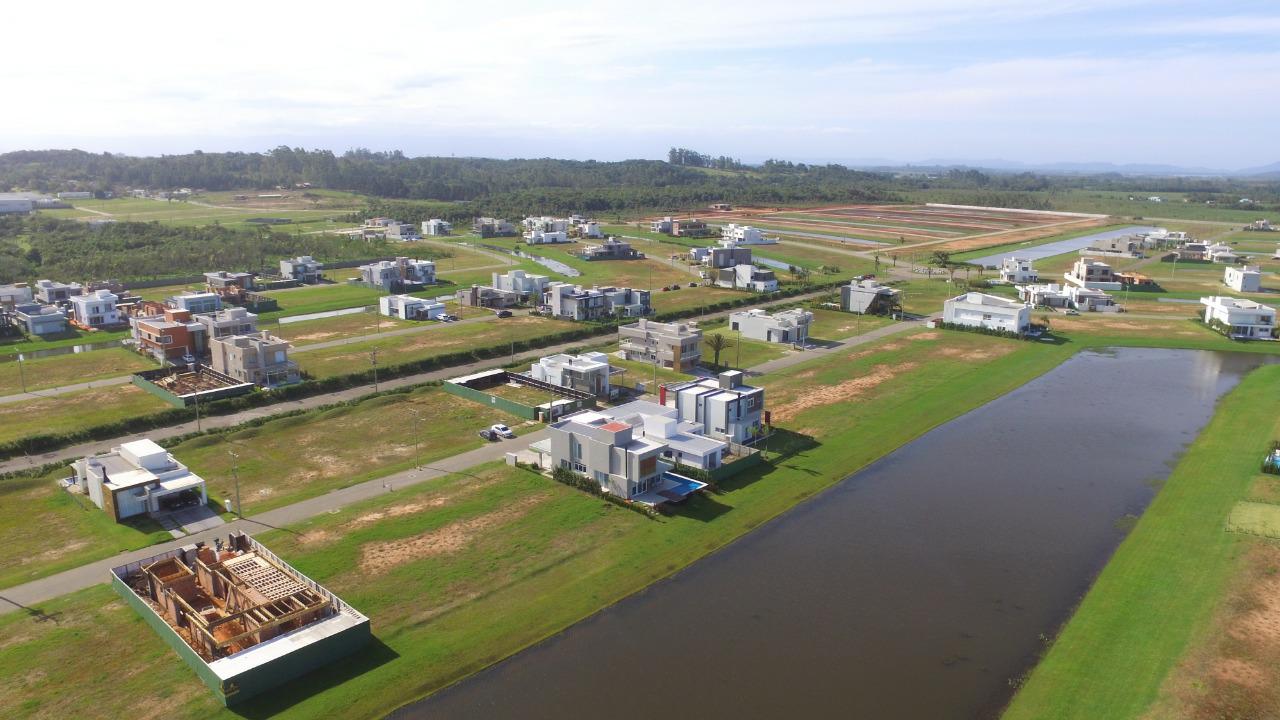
pixel 29 594
pixel 24 597
pixel 220 421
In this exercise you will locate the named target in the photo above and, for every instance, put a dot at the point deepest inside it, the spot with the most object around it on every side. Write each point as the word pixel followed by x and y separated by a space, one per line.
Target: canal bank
pixel 919 587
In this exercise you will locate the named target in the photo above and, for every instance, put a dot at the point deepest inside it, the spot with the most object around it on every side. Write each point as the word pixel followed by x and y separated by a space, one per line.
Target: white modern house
pixel 661 226
pixel 408 307
pixel 787 326
pixel 608 451
pixel 96 309
pixel 573 302
pixel 1243 319
pixel 436 226
pixel 1221 253
pixel 1051 295
pixel 304 268
pixel 721 407
pixel 746 235
pixel 1243 279
pixel 1093 274
pixel 975 309
pixel 396 275
pixel 138 478
pixel 404 232
pixel 520 283
pixel 196 302
pixel 546 237
pixel 590 229
pixel 39 319
pixel 1089 300
pixel 546 223
pixel 746 277
pixel 684 441
pixel 588 372
pixel 1018 271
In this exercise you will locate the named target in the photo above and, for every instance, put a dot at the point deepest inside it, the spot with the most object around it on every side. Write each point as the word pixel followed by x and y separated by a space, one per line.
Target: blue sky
pixel 1191 83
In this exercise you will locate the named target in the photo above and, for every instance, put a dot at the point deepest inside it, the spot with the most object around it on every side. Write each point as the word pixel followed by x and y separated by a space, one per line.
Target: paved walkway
pixel 29 594
pixel 62 389
pixel 220 421
pixel 23 597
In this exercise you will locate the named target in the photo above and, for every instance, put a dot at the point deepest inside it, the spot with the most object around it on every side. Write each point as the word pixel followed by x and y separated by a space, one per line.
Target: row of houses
pixel 228 337
pixel 730 266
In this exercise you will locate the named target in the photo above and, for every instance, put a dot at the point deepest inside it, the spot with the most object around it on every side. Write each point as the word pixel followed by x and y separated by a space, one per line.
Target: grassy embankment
pixel 487 564
pixel 1164 580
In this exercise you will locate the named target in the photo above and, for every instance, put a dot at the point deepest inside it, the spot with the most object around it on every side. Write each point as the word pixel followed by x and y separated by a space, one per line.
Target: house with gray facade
pixel 787 326
pixel 869 297
pixel 260 358
pixel 676 345
pixel 723 407
pixel 304 268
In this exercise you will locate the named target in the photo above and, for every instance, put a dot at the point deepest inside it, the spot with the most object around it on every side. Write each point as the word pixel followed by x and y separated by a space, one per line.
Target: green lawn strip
pixel 1254 518
pixel 429 343
pixel 1165 578
pixel 11 346
pixel 320 298
pixel 75 410
pixel 307 332
pixel 47 530
pixel 839 325
pixel 59 370
pixel 741 352
pixel 539 556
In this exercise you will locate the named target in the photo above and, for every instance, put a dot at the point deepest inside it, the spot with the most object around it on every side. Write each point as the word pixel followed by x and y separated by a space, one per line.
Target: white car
pixel 501 431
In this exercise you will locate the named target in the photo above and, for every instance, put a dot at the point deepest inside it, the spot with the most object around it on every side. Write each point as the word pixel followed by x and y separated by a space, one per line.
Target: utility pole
pixel 373 362
pixel 417 434
pixel 737 352
pixel 197 411
pixel 21 373
pixel 235 476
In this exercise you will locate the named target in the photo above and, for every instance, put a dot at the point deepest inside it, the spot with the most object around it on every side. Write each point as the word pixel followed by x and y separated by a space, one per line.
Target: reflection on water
pixel 915 589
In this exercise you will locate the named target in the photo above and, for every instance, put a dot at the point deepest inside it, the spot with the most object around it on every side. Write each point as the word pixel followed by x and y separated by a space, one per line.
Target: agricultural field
pixel 309 209
pixel 438 340
pixel 49 372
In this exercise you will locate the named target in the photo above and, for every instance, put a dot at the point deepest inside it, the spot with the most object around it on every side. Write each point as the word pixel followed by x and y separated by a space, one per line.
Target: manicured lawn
pixel 696 297
pixel 429 343
pixel 333 328
pixel 462 571
pixel 639 372
pixel 46 530
pixel 13 345
pixel 1166 577
pixel 72 411
pixel 839 325
pixel 67 369
pixel 742 352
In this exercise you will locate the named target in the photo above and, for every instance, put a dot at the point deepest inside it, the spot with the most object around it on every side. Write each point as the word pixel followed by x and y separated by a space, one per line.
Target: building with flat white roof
pixel 304 268
pixel 14 294
pixel 1243 279
pixel 1018 271
pixel 746 277
pixel 787 326
pixel 1050 295
pixel 408 307
pixel 437 227
pixel 574 302
pixel 51 292
pixel 975 309
pixel 588 372
pixel 869 297
pixel 1239 318
pixel 520 283
pixel 675 345
pixel 39 319
pixel 96 309
pixel 546 237
pixel 1089 300
pixel 746 235
pixel 398 275
pixel 196 302
pixel 138 478
pixel 685 442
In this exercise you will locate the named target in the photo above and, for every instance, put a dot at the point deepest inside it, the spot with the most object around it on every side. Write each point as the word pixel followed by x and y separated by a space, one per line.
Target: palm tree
pixel 802 274
pixel 718 343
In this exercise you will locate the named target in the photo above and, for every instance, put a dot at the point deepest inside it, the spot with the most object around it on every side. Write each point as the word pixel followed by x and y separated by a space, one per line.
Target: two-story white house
pixel 746 235
pixel 138 478
pixel 1093 274
pixel 975 309
pixel 1018 271
pixel 436 226
pixel 722 407
pixel 96 309
pixel 408 307
pixel 588 372
pixel 787 326
pixel 1247 278
pixel 1242 319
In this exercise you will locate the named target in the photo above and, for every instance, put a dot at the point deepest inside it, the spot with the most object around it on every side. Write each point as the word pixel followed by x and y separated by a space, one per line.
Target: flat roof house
pixel 50 292
pixel 402 231
pixel 746 277
pixel 1018 271
pixel 746 235
pixel 980 310
pixel 170 334
pixel 689 227
pixel 486 297
pixel 588 372
pixel 521 283
pixel 260 358
pixel 242 618
pixel 788 326
pixel 436 226
pixel 228 321
pixel 1092 274
pixel 398 275
pixel 546 237
pixel 546 224
pixel 612 452
pixel 661 226
pixel 573 302
pixel 1090 300
pixel 96 309
pixel 233 284
pixel 1221 253
pixel 1239 318
pixel 304 268
pixel 1243 279
pixel 1049 295
pixel 869 297
pixel 487 227
pixel 589 229
pixel 408 307
pixel 612 249
pixel 39 319
pixel 727 256
pixel 196 302
pixel 723 407
pixel 14 294
pixel 138 478
pixel 684 440
pixel 676 345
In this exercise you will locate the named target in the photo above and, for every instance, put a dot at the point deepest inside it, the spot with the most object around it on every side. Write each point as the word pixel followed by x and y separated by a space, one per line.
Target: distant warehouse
pixel 15 203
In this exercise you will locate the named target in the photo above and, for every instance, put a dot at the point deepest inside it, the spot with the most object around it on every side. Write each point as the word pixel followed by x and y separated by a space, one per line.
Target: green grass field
pixel 321 298
pixel 524 558
pixel 742 352
pixel 13 345
pixel 75 410
pixel 1165 578
pixel 59 370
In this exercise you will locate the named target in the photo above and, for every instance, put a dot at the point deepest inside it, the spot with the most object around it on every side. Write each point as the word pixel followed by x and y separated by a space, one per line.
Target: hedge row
pixel 35 444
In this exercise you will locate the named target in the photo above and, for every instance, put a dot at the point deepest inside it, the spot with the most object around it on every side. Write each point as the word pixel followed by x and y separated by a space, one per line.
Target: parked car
pixel 501 431
pixel 1072 311
pixel 693 284
pixel 504 313
pixel 489 435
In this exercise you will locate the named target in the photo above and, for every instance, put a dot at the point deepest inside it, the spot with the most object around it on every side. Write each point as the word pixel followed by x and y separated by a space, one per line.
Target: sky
pixel 1122 81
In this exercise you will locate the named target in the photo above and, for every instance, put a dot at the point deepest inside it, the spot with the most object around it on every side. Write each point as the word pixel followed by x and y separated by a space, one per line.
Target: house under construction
pixel 240 616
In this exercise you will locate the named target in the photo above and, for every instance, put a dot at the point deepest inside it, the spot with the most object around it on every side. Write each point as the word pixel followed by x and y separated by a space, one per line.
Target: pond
pixel 1059 247
pixel 916 588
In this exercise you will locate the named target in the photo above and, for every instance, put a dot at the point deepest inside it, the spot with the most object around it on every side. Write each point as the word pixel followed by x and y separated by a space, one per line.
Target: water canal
pixel 917 588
